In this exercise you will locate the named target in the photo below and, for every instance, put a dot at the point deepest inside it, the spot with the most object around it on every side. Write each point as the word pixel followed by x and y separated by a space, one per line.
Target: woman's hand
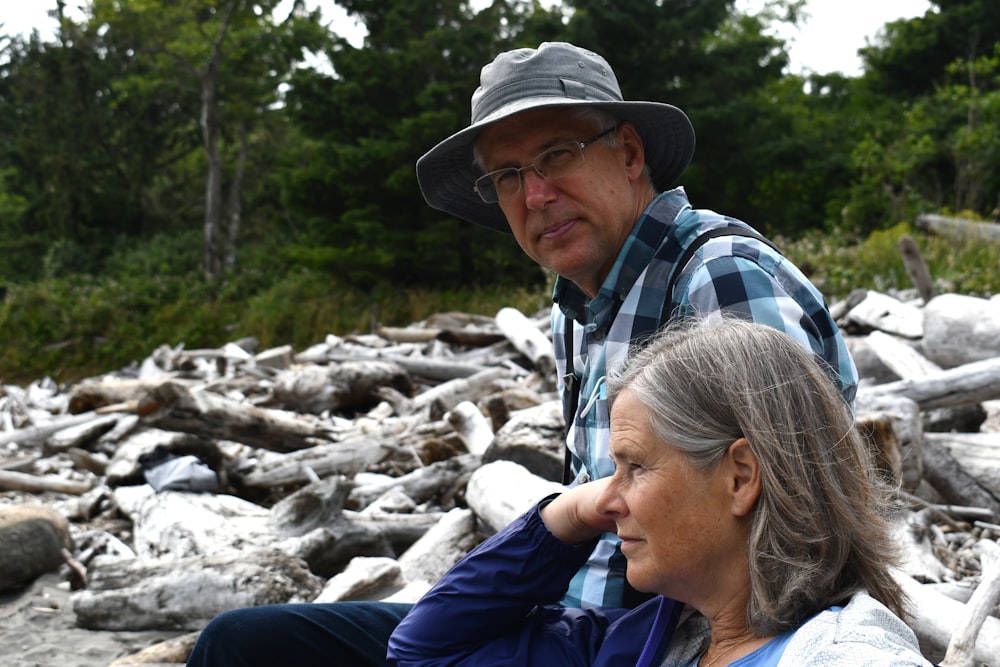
pixel 573 516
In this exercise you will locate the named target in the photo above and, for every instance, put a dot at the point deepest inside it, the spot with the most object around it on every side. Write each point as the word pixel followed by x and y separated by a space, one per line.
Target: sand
pixel 38 629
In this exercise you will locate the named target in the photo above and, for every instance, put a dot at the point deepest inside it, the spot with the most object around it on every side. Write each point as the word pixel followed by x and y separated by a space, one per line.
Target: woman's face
pixel 676 523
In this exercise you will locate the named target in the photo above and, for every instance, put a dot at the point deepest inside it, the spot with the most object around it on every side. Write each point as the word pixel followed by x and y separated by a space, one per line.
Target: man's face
pixel 574 225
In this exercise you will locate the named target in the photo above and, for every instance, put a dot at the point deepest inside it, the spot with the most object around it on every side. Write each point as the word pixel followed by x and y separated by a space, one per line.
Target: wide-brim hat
pixel 553 75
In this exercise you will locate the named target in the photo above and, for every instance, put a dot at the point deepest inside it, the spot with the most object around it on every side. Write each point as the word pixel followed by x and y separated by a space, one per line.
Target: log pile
pixel 364 466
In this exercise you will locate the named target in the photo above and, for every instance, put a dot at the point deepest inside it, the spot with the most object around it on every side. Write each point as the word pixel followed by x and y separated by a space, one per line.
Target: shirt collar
pixel 632 260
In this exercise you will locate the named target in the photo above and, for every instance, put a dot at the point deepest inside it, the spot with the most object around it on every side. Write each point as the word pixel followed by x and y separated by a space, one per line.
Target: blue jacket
pixel 489 609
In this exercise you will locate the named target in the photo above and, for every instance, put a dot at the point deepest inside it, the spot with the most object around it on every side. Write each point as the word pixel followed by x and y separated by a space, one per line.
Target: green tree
pixel 233 55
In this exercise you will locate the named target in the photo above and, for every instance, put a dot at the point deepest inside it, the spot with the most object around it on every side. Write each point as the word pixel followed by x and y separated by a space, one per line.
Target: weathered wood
pixel 961 648
pixel 528 340
pixel 184 594
pixel 174 407
pixel 960 329
pixel 439 548
pixel 501 491
pixel 916 267
pixel 453 392
pixel 39 432
pixel 934 618
pixel 964 385
pixel 172 652
pixel 535 438
pixel 19 481
pixel 961 228
pixel 294 469
pixel 364 578
pixel 439 482
pixel 347 386
pixel 471 426
pixel 977 453
pixel 903 359
pixel 951 480
pixel 885 313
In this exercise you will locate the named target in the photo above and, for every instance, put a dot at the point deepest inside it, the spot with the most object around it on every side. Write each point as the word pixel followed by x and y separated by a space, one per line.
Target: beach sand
pixel 38 629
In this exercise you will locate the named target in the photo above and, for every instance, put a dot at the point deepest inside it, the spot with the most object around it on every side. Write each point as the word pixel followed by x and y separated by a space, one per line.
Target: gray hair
pixel 820 529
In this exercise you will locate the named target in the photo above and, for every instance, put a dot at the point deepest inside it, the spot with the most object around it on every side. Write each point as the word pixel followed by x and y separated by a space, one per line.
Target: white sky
pixel 827 42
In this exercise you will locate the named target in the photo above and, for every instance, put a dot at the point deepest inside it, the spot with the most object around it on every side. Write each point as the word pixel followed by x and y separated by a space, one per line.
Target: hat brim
pixel 446 172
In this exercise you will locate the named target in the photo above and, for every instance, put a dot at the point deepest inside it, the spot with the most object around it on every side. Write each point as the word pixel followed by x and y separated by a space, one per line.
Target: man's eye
pixel 557 157
pixel 505 177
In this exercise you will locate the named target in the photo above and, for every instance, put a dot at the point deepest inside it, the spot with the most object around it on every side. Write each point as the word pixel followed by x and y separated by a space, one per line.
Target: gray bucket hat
pixel 555 74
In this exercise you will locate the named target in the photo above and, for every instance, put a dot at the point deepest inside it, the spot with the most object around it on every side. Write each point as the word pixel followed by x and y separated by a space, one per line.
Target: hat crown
pixel 559 70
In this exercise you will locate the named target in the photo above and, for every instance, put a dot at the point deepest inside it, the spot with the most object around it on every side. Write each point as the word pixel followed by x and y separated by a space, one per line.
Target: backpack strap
pixel 572 383
pixel 702 239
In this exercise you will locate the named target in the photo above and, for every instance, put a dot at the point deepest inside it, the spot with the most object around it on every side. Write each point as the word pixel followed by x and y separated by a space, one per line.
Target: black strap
pixel 572 381
pixel 702 239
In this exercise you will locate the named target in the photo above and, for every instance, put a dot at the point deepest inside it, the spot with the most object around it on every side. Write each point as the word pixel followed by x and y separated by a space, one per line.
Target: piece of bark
pixel 903 416
pixel 19 481
pixel 501 491
pixel 916 267
pixel 184 594
pixel 173 407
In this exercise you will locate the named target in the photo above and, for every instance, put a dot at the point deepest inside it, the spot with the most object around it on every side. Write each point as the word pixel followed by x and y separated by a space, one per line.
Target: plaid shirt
pixel 728 273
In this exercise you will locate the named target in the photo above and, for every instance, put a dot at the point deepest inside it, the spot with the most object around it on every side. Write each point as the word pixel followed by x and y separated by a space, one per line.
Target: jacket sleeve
pixel 489 609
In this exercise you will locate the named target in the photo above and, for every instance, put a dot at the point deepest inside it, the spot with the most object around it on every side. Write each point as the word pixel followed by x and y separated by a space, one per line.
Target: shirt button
pixel 582 478
pixel 598 335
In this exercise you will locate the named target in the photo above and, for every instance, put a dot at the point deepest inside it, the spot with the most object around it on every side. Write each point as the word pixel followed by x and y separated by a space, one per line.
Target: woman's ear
pixel 743 477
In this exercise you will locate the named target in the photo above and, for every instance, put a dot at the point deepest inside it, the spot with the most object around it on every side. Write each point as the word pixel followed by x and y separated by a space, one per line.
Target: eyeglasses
pixel 555 162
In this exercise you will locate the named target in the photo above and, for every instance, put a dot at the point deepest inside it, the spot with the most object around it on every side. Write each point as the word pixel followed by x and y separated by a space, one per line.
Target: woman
pixel 744 498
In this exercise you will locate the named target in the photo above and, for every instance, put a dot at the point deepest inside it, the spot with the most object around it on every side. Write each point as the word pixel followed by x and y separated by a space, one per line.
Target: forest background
pixel 178 172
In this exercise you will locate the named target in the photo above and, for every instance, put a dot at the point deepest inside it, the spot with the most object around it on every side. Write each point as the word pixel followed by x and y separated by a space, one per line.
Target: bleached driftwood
pixel 977 453
pixel 145 594
pixel 364 578
pixel 347 386
pixel 440 481
pixel 174 407
pixel 471 426
pixel 439 548
pixel 934 618
pixel 19 481
pixel 304 465
pixel 962 647
pixel 500 491
pixel 885 313
pixel 533 437
pixel 962 228
pixel 528 339
pixel 453 392
pixel 964 385
pixel 168 653
pixel 959 329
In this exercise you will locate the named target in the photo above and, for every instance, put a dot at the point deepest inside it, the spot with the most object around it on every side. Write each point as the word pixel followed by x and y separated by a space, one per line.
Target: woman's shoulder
pixel 863 632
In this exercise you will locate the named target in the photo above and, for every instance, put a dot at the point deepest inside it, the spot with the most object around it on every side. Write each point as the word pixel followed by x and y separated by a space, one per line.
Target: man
pixel 578 176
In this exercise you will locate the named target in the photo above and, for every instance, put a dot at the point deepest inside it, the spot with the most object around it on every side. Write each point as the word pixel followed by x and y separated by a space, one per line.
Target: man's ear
pixel 742 477
pixel 634 150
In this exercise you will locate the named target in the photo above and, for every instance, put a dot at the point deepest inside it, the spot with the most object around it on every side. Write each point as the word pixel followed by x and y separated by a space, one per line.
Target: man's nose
pixel 537 191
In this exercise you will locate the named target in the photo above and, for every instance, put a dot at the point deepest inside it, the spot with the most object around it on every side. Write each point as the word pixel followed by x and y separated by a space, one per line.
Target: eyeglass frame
pixel 580 145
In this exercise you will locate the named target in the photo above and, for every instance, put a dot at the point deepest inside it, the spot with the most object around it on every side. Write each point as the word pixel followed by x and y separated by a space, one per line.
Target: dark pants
pixel 340 634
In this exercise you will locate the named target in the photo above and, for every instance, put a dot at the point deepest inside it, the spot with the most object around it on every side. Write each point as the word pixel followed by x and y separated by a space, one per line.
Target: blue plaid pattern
pixel 728 273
